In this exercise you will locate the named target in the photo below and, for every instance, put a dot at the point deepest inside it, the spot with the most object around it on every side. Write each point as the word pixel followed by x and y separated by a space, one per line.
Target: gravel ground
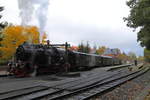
pixel 128 91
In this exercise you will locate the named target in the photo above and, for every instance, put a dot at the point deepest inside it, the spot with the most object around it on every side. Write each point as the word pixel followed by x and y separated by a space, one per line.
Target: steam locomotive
pixel 33 59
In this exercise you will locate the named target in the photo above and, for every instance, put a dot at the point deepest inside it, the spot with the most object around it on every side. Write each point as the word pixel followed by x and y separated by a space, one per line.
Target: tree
pixel 84 48
pixel 87 47
pixel 2 25
pixel 14 36
pixel 94 49
pixel 101 50
pixel 74 48
pixel 81 47
pixel 1 9
pixel 141 58
pixel 140 18
pixel 123 57
pixel 44 38
pixel 132 55
pixel 147 55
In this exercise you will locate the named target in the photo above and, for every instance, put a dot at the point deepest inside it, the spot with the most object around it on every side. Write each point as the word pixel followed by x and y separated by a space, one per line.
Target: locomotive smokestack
pixel 48 42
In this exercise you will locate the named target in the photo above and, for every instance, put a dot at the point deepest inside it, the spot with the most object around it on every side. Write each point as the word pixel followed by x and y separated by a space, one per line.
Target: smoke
pixel 27 10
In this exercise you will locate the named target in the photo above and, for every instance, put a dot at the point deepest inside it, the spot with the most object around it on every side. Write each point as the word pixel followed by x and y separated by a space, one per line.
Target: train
pixel 34 59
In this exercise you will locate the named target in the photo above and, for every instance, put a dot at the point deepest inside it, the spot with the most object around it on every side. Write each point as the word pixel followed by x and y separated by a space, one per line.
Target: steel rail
pixel 103 86
pixel 54 93
pixel 80 94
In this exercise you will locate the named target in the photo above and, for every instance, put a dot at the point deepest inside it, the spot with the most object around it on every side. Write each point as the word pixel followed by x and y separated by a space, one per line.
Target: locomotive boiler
pixel 33 59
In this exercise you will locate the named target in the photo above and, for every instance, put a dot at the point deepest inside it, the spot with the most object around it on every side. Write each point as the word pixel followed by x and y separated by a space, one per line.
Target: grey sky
pixel 97 21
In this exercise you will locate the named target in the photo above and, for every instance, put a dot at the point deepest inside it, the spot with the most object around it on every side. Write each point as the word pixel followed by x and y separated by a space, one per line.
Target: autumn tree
pixel 44 38
pixel 139 17
pixel 101 50
pixel 123 56
pixel 14 36
pixel 74 48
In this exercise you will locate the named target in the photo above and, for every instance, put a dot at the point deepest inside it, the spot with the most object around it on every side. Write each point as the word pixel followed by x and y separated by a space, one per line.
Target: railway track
pixel 92 90
pixel 60 85
pixel 74 90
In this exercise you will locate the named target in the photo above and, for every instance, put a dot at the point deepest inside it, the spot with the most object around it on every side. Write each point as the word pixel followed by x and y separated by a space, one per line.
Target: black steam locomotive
pixel 32 59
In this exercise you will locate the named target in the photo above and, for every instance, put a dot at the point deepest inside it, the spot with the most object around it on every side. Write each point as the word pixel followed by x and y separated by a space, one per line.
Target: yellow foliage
pixel 44 37
pixel 32 34
pixel 14 36
pixel 101 50
pixel 122 56
pixel 6 52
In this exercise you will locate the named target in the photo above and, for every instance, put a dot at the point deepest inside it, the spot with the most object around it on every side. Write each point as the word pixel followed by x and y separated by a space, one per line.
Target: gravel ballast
pixel 129 90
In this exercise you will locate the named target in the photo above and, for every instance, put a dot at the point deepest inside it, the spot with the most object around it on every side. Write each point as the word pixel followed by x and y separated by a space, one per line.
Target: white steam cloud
pixel 27 10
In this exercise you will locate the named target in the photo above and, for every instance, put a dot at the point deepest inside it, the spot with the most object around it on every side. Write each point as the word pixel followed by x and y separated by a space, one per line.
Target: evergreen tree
pixel 84 48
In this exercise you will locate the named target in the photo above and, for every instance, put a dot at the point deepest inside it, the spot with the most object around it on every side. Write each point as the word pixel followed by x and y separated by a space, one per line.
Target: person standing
pixel 135 62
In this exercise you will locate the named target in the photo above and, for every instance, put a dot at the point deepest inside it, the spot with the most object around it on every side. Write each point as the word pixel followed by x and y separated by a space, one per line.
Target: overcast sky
pixel 98 21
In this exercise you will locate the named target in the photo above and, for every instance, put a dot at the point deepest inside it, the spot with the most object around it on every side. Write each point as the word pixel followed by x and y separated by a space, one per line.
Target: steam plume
pixel 27 9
